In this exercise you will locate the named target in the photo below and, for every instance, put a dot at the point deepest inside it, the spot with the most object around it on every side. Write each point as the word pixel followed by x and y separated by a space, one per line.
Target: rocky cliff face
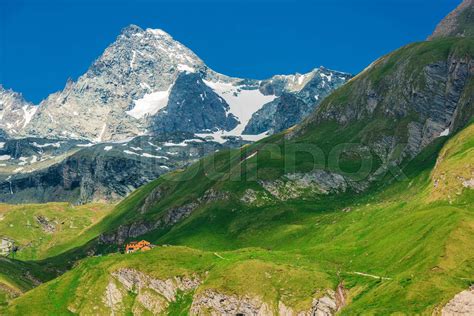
pixel 459 23
pixel 298 97
pixel 132 72
pixel 146 82
pixel 38 170
pixel 414 95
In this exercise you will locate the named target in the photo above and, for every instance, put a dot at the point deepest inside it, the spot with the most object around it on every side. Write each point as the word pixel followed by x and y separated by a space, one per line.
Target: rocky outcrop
pixel 147 82
pixel 46 225
pixel 135 281
pixel 461 304
pixel 80 172
pixel 15 112
pixel 152 294
pixel 215 303
pixel 415 99
pixel 459 23
pixel 301 185
pixel 139 64
pixel 169 218
pixel 193 107
pixel 113 297
pixel 295 102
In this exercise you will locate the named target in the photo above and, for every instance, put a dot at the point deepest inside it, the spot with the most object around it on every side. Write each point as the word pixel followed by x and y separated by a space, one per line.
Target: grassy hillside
pixel 394 250
pixel 17 277
pixel 360 200
pixel 43 230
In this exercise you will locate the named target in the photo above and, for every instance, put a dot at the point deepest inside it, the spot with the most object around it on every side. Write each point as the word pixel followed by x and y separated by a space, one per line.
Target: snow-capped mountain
pixel 15 112
pixel 147 83
pixel 147 105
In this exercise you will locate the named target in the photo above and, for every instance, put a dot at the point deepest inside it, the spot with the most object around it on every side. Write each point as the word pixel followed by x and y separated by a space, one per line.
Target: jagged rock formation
pixel 215 303
pixel 15 112
pixel 295 102
pixel 146 82
pixel 152 295
pixel 459 23
pixel 130 73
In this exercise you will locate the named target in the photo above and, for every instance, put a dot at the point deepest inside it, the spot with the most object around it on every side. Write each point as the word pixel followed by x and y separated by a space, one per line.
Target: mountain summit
pixel 147 83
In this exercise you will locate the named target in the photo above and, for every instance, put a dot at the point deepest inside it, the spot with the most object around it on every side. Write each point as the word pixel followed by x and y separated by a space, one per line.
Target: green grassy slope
pixel 289 251
pixel 69 227
pixel 398 243
pixel 17 277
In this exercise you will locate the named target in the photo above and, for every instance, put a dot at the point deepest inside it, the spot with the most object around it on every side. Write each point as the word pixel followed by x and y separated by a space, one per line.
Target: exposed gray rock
pixel 135 281
pixel 301 185
pixel 15 112
pixel 211 302
pixel 215 303
pixel 113 297
pixel 45 224
pixel 193 107
pixel 138 63
pixel 461 304
pixel 147 82
pixel 169 218
pixel 255 198
pixel 295 101
pixel 41 170
pixel 153 294
pixel 433 100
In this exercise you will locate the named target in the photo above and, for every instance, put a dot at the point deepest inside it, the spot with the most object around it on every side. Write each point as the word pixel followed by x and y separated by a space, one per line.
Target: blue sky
pixel 43 42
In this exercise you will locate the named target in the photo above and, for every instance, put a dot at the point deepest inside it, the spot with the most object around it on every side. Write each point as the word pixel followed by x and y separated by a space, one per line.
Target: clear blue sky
pixel 43 42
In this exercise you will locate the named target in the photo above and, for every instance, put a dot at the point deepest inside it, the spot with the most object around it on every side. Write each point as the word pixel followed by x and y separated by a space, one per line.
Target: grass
pixel 71 223
pixel 295 250
pixel 403 246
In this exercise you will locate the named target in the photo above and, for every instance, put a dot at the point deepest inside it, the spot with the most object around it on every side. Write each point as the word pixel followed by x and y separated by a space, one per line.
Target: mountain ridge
pixel 124 91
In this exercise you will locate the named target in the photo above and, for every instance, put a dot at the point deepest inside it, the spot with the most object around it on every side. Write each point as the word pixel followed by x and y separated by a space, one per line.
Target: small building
pixel 135 246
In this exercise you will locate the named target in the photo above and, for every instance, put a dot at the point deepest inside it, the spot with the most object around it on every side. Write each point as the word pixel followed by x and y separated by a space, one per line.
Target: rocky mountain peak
pixel 136 87
pixel 459 23
pixel 131 30
pixel 15 111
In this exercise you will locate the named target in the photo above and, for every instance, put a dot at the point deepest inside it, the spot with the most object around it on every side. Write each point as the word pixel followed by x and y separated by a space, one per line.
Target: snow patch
pixel 128 152
pixel 57 145
pixel 150 104
pixel 107 148
pixel 85 145
pixel 186 68
pixel 5 157
pixel 170 144
pixel 222 136
pixel 29 112
pixel 445 132
pixel 132 61
pixel 153 156
pixel 243 103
